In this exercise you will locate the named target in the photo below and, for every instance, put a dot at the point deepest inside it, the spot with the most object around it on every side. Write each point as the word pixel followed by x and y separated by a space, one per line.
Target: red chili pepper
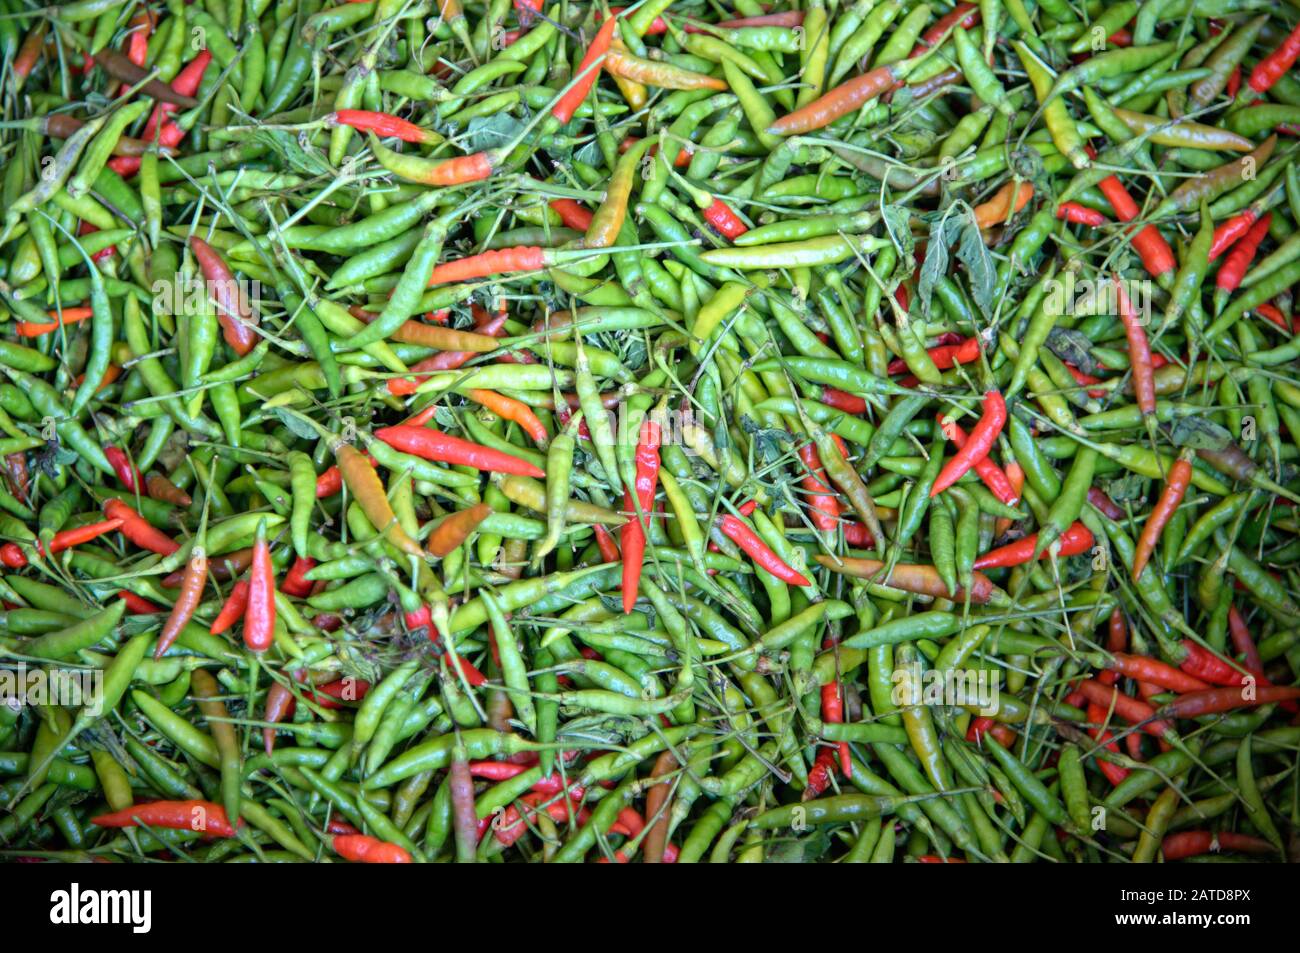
pixel 137 529
pixel 233 309
pixel 1238 261
pixel 332 693
pixel 1157 257
pixel 1116 643
pixel 586 74
pixel 1104 503
pixel 1139 351
pixel 1227 234
pixel 945 355
pixel 280 705
pixel 1077 214
pixel 496 770
pixel 259 616
pixel 294 583
pixel 1003 734
pixel 605 543
pixel 572 214
pixel 1084 380
pixel 435 445
pixel 126 471
pixel 823 509
pixel 233 609
pixel 385 125
pixel 1177 481
pixel 1272 313
pixel 1274 66
pixel 724 221
pixel 185 83
pixel 423 618
pixel 135 605
pixel 369 850
pixel 194 815
pixel 336 825
pixel 13 557
pixel 1133 710
pixel 739 533
pixel 1186 844
pixel 191 594
pixel 632 534
pixel 964 15
pixel 1075 540
pixel 819 777
pixel 833 713
pixel 1114 773
pixel 1154 672
pixel 989 472
pixel 1216 700
pixel 842 400
pixel 19 478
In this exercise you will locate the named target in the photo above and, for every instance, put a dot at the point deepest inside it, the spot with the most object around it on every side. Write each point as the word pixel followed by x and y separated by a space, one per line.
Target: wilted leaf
pixel 1073 347
pixel 1199 433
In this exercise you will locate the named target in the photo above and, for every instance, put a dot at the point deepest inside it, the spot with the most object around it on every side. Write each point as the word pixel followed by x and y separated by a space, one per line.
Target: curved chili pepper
pixel 739 533
pixel 981 440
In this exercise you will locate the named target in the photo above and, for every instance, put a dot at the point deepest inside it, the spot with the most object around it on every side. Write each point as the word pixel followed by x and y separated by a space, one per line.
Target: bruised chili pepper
pixel 160 488
pixel 233 311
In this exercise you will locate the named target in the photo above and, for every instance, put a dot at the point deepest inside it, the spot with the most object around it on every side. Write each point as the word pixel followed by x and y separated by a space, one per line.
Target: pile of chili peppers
pixel 843 430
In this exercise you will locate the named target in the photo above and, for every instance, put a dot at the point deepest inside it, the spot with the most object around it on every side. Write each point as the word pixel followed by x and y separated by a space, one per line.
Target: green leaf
pixel 897 226
pixel 296 155
pixel 935 265
pixel 489 132
pixel 980 269
pixel 297 426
